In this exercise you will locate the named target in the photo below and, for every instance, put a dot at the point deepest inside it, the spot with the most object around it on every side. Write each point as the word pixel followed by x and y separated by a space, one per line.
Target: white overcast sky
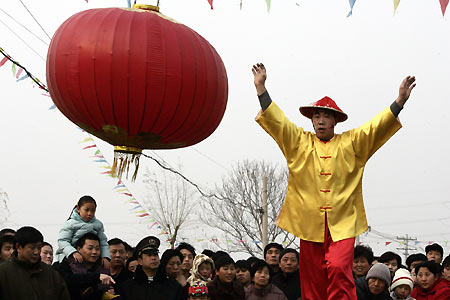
pixel 310 48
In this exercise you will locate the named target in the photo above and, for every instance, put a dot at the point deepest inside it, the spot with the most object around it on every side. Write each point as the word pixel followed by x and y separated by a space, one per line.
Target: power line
pixel 35 19
pixel 31 48
pixel 415 221
pixel 410 205
pixel 35 79
pixel 212 160
pixel 406 240
pixel 182 176
pixel 24 27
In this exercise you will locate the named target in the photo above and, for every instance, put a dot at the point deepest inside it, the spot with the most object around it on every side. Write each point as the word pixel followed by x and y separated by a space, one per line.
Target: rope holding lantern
pixel 136 79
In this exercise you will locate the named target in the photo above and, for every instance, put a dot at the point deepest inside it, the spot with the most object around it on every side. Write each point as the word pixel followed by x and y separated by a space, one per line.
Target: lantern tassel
pixel 123 157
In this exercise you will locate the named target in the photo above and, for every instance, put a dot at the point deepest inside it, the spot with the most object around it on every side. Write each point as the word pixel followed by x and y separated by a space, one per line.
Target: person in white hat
pixel 402 285
pixel 324 205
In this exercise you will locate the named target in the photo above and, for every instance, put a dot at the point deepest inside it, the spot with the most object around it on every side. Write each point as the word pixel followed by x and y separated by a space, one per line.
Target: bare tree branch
pixel 237 208
pixel 4 211
pixel 171 201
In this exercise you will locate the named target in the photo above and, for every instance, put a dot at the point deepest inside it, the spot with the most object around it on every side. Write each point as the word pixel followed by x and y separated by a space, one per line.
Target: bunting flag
pixel 91 146
pixel 387 243
pixel 210 3
pixel 444 4
pixel 23 77
pixel 19 72
pixel 15 64
pixel 396 3
pixel 352 3
pixel 3 61
pixel 129 3
pixel 268 5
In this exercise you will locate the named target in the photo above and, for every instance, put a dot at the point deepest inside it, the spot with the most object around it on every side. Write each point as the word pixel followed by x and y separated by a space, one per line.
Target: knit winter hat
pixel 402 276
pixel 380 271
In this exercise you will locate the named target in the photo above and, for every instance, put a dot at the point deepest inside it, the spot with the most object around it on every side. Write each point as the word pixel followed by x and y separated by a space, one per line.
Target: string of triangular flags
pixel 138 210
pixel 18 69
pixel 444 243
pixel 443 4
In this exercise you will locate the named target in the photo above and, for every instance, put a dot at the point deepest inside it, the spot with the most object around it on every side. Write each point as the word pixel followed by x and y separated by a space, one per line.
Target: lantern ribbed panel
pixel 135 78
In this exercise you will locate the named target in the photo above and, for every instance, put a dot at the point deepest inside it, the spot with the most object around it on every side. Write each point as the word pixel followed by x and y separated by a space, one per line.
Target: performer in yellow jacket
pixel 324 205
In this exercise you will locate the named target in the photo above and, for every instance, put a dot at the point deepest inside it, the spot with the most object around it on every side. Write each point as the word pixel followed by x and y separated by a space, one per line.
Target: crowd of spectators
pixel 88 266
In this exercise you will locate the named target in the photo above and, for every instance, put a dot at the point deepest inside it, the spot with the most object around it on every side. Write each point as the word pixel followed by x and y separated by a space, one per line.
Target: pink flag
pixel 444 4
pixel 87 147
pixel 211 1
pixel 19 72
pixel 3 61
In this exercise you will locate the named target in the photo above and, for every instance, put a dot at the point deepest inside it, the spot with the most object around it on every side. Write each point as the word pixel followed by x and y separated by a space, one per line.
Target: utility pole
pixel 264 213
pixel 406 249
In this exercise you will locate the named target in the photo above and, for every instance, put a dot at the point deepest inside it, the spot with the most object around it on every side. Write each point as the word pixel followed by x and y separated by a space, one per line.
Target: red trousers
pixel 326 269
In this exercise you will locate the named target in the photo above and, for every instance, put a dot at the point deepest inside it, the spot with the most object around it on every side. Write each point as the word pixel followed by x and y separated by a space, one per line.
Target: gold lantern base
pixel 123 157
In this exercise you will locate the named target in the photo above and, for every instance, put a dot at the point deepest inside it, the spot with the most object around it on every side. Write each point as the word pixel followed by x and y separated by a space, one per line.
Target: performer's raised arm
pixel 260 74
pixel 403 94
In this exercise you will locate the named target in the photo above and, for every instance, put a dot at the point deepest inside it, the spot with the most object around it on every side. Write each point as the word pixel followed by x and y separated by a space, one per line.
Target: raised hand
pixel 405 89
pixel 260 76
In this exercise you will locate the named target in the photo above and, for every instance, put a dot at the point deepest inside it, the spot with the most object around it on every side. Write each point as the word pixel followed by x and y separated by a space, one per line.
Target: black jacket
pixel 363 292
pixel 219 291
pixel 23 281
pixel 140 288
pixel 289 285
pixel 120 278
pixel 86 286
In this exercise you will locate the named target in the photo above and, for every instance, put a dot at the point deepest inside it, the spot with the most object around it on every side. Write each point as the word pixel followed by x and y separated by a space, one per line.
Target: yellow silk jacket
pixel 325 177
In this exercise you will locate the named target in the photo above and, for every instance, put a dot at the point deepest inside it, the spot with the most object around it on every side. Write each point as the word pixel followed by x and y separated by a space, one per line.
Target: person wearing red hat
pixel 324 205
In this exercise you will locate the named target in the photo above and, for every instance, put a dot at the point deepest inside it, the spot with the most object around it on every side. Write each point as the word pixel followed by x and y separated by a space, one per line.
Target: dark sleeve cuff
pixel 395 108
pixel 264 100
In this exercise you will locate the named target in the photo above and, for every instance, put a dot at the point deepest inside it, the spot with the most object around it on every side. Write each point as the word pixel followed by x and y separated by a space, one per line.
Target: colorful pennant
pixel 268 5
pixel 352 3
pixel 444 4
pixel 396 3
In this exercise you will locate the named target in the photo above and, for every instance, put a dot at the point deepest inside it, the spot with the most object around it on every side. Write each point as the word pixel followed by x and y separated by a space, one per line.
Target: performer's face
pixel 323 121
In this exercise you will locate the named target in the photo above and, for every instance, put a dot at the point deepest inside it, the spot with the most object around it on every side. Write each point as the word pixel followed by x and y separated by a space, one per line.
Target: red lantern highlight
pixel 136 79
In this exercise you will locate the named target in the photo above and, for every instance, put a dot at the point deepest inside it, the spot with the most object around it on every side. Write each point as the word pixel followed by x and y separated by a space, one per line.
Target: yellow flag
pixel 396 3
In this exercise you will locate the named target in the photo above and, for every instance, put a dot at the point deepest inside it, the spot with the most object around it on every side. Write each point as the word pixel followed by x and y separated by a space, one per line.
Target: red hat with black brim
pixel 325 103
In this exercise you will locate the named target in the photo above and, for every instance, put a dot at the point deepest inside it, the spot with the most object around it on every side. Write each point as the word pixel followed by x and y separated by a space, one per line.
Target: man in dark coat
pixel 24 276
pixel 120 274
pixel 375 285
pixel 289 279
pixel 145 284
pixel 87 280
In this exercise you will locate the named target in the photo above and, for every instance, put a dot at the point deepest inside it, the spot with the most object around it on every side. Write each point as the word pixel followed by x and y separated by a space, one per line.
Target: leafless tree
pixel 4 211
pixel 170 199
pixel 237 208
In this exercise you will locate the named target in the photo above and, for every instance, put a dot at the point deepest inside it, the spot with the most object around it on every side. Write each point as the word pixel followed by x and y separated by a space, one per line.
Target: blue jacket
pixel 74 229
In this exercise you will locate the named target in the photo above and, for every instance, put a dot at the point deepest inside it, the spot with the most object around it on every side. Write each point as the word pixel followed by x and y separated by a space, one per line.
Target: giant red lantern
pixel 136 79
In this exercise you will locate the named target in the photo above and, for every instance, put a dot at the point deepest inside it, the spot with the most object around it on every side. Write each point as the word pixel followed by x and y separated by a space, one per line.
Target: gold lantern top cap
pixel 146 7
